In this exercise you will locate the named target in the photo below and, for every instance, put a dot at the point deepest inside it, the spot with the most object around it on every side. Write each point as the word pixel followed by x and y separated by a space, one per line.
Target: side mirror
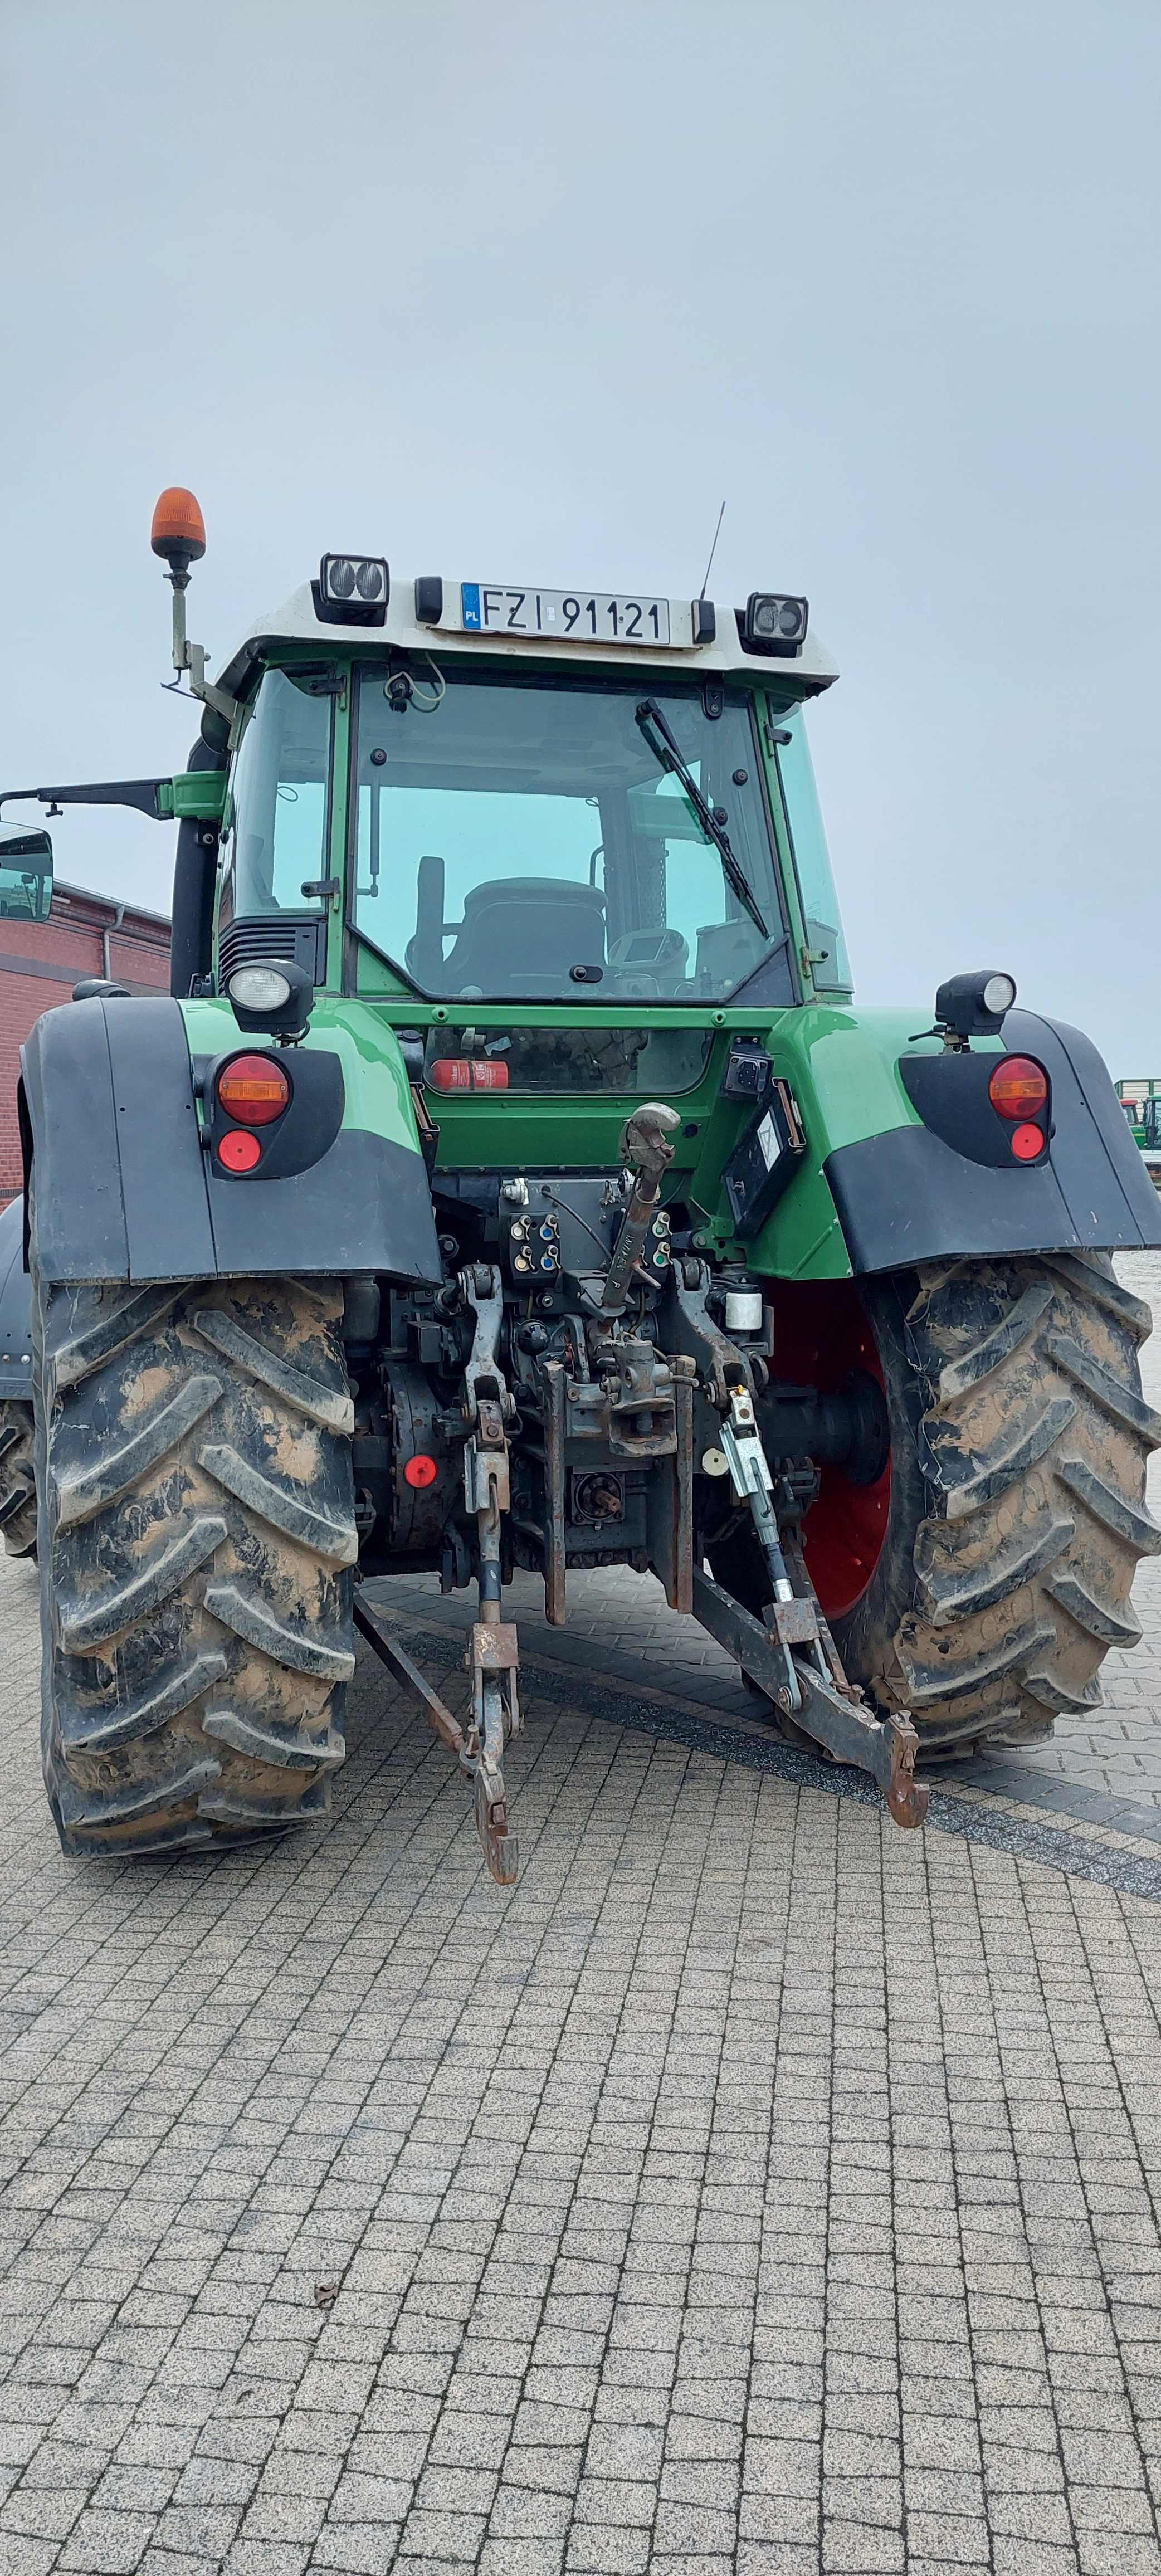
pixel 25 875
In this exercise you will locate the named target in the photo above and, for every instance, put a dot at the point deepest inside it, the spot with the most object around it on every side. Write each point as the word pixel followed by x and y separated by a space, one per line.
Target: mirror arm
pixel 142 793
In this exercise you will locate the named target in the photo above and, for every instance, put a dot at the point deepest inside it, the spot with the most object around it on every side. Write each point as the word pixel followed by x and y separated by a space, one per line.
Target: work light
pixel 353 590
pixel 274 998
pixel 776 622
pixel 974 1005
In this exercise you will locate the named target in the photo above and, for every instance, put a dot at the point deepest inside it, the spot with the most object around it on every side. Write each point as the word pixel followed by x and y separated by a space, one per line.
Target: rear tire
pixel 17 1479
pixel 1019 1442
pixel 198 1535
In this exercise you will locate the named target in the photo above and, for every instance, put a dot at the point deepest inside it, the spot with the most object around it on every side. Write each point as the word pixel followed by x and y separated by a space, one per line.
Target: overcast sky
pixel 523 290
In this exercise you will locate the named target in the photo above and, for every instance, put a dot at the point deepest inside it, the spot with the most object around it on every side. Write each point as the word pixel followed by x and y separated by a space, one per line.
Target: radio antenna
pixel 712 551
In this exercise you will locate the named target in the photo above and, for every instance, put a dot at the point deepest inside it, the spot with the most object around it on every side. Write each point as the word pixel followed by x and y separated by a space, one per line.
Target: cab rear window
pixel 651 1063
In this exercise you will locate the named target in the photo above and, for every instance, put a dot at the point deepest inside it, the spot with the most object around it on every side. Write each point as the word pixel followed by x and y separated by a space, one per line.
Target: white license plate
pixel 491 608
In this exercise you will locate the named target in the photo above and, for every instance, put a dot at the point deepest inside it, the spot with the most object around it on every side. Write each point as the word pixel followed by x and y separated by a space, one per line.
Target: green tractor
pixel 510 1182
pixel 1141 1106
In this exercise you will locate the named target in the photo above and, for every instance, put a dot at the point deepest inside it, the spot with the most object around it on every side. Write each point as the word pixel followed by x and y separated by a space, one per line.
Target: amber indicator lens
pixel 238 1151
pixel 253 1089
pixel 1027 1142
pixel 1018 1088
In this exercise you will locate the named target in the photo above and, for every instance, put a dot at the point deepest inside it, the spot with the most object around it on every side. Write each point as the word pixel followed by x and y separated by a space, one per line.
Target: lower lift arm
pixel 790 1653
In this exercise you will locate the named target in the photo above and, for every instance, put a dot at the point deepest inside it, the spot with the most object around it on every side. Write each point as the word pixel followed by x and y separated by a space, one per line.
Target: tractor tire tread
pixel 985 1474
pixel 198 1538
pixel 104 1479
pixel 278 1505
pixel 1033 1515
pixel 17 1478
pixel 320 1403
pixel 948 1596
pixel 995 1347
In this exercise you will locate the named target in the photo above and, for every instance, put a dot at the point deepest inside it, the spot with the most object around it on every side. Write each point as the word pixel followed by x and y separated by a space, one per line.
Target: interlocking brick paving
pixel 754 2187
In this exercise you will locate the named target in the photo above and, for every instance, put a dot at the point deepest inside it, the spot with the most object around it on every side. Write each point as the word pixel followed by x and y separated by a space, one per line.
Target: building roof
pixel 107 907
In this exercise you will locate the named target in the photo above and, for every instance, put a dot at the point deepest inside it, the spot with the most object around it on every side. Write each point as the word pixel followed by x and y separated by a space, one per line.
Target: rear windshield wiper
pixel 665 749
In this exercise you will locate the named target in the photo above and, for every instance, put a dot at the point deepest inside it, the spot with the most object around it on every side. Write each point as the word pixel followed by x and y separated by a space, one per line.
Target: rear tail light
pixel 253 1089
pixel 1018 1088
pixel 468 1073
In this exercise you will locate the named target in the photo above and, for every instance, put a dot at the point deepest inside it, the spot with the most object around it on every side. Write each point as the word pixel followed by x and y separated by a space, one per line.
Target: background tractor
pixel 1140 1099
pixel 510 1181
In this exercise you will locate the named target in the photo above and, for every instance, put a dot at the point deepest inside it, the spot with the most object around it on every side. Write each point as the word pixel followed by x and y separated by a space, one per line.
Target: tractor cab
pixel 529 799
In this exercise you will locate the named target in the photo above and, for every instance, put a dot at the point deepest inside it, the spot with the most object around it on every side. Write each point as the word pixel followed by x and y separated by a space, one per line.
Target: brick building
pixel 40 961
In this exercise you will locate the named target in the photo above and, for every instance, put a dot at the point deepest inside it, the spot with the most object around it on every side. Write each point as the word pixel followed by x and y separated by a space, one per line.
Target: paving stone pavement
pixel 753 2188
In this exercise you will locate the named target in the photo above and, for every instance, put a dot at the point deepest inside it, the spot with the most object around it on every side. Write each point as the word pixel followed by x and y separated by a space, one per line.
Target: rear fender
pixel 125 1190
pixel 882 1190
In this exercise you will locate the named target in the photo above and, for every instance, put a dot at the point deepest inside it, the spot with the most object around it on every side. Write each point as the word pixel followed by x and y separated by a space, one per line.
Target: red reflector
pixel 1018 1087
pixel 467 1073
pixel 238 1151
pixel 420 1471
pixel 1027 1143
pixel 254 1089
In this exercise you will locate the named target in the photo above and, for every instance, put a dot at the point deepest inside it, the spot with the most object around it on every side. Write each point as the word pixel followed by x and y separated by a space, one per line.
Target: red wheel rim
pixel 822 1334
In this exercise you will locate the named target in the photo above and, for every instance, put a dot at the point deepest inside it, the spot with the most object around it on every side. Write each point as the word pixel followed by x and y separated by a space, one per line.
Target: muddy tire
pixel 198 1535
pixel 17 1479
pixel 1019 1442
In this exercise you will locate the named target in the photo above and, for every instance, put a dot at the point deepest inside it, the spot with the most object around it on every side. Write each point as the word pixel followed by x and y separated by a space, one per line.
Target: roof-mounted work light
pixel 775 623
pixel 353 590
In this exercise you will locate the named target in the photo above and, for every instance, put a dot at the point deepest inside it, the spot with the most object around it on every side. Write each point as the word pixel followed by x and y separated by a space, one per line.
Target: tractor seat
pixel 516 927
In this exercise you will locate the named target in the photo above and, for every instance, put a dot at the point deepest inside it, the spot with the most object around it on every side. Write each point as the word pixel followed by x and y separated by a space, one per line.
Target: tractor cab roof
pixel 618 631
